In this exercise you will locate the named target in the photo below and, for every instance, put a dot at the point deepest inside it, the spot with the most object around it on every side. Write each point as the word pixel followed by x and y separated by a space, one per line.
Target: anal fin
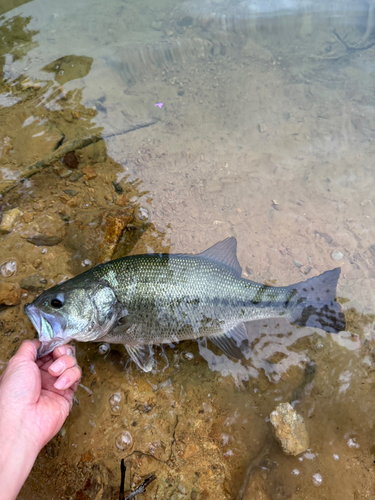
pixel 142 355
pixel 230 341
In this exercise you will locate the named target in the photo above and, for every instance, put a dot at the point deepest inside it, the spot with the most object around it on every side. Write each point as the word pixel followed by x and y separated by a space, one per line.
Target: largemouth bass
pixel 143 300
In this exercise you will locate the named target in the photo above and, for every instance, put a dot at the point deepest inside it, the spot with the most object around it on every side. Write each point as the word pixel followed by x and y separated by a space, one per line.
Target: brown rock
pixel 72 202
pixel 122 200
pixel 89 172
pixel 45 230
pixel 28 217
pixel 10 293
pixel 71 160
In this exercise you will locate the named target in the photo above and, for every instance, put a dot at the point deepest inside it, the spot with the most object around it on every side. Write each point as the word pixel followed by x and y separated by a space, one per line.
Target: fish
pixel 143 300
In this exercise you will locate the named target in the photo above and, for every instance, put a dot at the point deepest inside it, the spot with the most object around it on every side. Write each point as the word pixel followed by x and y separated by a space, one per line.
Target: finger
pixel 62 350
pixel 68 378
pixel 62 364
pixel 41 361
pixel 27 351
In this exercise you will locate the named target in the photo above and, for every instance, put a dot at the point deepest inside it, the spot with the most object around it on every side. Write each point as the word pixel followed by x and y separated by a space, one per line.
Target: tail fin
pixel 314 303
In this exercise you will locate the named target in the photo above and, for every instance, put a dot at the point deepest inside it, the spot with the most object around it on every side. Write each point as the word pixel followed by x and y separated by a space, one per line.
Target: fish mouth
pixel 50 328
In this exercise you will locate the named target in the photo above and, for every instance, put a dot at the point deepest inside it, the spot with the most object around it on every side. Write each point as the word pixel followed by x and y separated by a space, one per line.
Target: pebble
pixel 28 217
pixel 289 429
pixel 9 220
pixel 337 255
pixel 76 175
pixel 122 201
pixel 10 293
pixel 70 192
pixel 63 172
pixel 262 128
pixel 33 282
pixel 89 172
pixel 71 160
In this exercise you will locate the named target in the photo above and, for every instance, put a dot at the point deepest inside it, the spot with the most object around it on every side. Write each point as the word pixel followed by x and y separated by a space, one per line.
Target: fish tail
pixel 314 303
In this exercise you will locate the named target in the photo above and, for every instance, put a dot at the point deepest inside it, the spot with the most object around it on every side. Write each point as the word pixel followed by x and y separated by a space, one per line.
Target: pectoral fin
pixel 142 355
pixel 231 340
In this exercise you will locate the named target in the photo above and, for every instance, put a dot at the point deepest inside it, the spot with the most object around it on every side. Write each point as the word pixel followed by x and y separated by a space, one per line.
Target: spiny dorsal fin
pixel 224 252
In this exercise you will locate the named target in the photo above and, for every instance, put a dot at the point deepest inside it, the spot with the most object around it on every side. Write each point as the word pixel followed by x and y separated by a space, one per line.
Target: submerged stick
pixel 139 490
pixel 123 470
pixel 63 150
pixel 254 464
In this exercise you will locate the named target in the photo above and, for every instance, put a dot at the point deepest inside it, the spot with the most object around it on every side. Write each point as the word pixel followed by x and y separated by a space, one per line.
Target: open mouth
pixel 49 328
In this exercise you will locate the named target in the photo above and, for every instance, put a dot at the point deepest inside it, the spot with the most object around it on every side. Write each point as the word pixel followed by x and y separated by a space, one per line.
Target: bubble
pixel 295 472
pixel 335 456
pixel 317 479
pixel 142 214
pixel 86 263
pixel 189 356
pixel 115 403
pixel 352 443
pixel 8 268
pixel 43 251
pixel 124 441
pixel 104 348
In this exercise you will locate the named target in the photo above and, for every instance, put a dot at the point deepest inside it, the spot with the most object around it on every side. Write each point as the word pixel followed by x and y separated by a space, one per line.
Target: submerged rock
pixel 9 220
pixel 289 429
pixel 10 294
pixel 45 230
pixel 34 282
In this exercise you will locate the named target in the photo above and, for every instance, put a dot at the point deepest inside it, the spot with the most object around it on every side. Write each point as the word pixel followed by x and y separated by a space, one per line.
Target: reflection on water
pixel 265 133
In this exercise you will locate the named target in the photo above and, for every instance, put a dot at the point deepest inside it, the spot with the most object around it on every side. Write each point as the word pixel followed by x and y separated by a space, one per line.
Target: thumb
pixel 27 351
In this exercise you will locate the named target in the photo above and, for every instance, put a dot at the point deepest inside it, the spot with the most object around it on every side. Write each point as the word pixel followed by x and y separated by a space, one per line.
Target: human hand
pixel 35 399
pixel 39 394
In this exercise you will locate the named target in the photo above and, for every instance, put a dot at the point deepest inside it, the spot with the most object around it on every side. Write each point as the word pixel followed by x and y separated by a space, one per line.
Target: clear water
pixel 264 131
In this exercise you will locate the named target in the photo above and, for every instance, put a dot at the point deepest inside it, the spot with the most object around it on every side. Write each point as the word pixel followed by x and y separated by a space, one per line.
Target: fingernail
pixel 61 383
pixel 57 366
pixel 69 351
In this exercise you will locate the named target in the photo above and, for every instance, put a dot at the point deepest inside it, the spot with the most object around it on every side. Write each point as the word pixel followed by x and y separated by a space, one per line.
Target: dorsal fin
pixel 224 252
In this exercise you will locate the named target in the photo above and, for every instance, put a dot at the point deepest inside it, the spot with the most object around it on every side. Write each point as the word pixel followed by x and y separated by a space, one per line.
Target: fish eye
pixel 56 303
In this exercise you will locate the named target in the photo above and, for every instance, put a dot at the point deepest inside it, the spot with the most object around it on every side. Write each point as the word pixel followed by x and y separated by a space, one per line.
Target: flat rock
pixel 34 282
pixel 45 230
pixel 289 429
pixel 10 293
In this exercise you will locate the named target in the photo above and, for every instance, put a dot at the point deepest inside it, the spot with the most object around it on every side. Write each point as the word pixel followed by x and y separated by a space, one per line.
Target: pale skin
pixel 35 399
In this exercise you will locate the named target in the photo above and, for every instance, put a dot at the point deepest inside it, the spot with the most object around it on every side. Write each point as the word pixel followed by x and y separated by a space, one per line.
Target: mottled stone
pixel 289 429
pixel 89 172
pixel 45 230
pixel 33 282
pixel 9 220
pixel 10 293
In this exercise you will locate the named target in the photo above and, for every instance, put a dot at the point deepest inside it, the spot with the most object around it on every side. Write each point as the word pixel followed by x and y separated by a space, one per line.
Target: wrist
pixel 17 456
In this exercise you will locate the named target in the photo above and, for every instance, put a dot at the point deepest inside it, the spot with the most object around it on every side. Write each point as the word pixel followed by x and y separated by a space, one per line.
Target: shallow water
pixel 265 133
